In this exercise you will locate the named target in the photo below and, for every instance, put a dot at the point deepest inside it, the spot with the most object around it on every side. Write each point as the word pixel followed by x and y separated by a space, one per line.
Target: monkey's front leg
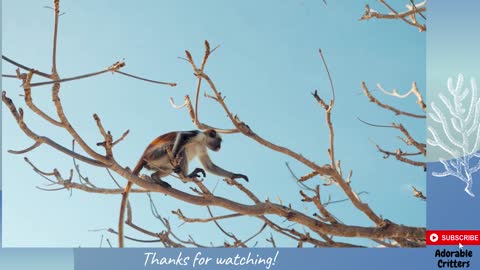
pixel 238 175
pixel 182 170
pixel 196 173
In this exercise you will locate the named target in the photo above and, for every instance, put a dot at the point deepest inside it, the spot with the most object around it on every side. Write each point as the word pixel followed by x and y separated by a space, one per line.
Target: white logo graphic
pixel 461 132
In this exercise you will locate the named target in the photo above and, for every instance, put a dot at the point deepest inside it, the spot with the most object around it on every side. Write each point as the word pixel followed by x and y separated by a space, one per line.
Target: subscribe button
pixel 453 237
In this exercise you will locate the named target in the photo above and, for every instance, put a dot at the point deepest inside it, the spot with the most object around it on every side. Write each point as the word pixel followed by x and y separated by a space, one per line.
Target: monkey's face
pixel 213 140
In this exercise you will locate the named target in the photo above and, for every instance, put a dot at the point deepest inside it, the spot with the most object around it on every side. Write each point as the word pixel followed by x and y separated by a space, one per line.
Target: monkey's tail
pixel 123 205
pixel 136 171
pixel 140 164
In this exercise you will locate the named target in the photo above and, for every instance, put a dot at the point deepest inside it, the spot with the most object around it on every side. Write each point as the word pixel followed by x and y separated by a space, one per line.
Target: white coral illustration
pixel 461 128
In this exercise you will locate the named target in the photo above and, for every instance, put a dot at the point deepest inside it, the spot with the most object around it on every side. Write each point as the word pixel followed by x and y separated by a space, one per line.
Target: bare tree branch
pixel 408 16
pixel 386 106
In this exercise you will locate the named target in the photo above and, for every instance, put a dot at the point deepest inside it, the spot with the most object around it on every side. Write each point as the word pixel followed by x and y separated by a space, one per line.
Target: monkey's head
pixel 213 139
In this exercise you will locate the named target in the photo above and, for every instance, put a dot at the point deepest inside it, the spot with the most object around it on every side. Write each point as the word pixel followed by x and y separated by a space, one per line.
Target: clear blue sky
pixel 267 66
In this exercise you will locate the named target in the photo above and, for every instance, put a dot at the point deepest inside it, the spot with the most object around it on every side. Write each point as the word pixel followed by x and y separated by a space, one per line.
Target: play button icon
pixel 434 237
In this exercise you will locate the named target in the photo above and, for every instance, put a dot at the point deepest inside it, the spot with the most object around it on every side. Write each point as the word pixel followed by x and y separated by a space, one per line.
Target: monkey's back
pixel 156 152
pixel 155 156
pixel 158 145
pixel 164 140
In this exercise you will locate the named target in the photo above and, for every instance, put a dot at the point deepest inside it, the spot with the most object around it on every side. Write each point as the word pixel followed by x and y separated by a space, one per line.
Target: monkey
pixel 184 146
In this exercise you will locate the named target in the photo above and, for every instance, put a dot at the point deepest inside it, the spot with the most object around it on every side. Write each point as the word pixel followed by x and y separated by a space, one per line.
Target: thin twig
pixel 17 152
pixel 144 79
pixel 79 77
pixel 43 74
pixel 386 106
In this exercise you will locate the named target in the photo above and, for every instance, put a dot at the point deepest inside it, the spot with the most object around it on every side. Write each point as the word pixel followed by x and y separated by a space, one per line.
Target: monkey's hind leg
pixel 156 177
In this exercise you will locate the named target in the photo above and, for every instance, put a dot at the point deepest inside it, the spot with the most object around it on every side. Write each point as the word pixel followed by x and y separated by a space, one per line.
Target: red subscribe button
pixel 453 237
